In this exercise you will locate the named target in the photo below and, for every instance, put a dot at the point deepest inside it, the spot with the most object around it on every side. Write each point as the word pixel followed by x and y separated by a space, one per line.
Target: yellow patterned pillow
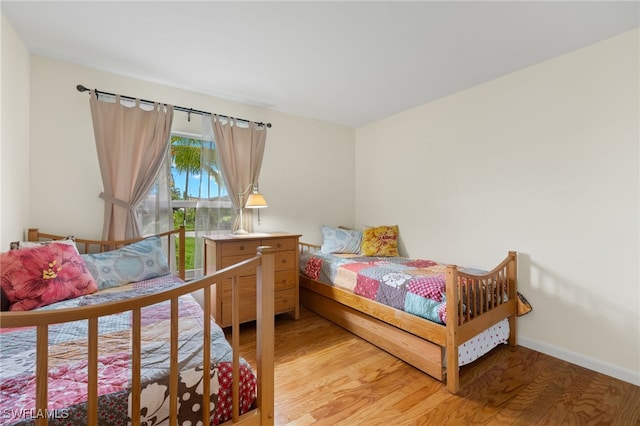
pixel 380 241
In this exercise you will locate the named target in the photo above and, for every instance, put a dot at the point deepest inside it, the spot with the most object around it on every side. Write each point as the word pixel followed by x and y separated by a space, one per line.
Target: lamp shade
pixel 255 201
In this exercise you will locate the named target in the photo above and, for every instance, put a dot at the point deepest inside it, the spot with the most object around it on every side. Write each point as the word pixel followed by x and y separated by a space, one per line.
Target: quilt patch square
pixel 357 266
pixel 392 296
pixel 432 287
pixel 367 287
pixel 377 272
pixel 345 279
pixel 422 307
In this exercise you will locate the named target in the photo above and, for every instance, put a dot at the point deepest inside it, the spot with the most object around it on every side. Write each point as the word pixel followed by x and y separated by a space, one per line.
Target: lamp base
pixel 240 232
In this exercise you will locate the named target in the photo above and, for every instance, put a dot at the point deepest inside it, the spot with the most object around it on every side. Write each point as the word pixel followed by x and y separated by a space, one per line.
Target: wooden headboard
pixel 98 246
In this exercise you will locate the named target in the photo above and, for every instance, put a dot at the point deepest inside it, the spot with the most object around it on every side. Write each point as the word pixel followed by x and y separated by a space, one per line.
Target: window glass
pixel 196 182
pixel 191 179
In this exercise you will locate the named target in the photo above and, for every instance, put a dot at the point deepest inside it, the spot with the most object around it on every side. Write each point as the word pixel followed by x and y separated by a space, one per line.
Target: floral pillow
pixel 380 241
pixel 340 240
pixel 139 261
pixel 42 275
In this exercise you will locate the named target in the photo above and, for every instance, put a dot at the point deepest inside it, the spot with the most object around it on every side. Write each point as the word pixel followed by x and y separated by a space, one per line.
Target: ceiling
pixel 349 63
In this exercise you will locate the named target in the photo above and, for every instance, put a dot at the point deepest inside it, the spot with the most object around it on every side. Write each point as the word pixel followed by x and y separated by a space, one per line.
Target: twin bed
pixel 433 316
pixel 130 346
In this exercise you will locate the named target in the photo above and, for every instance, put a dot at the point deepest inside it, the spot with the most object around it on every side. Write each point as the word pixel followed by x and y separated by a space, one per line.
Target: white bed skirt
pixel 479 345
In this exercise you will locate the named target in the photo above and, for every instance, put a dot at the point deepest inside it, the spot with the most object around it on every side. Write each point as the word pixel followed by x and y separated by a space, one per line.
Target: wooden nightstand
pixel 222 250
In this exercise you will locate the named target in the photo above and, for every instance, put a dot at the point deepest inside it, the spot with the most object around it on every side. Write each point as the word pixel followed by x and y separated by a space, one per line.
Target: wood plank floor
pixel 324 375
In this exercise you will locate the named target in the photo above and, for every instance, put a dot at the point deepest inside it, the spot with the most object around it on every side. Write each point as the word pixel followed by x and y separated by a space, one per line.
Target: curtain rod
pixel 82 88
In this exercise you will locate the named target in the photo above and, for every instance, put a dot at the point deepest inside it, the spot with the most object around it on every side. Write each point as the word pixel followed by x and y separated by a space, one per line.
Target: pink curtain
pixel 240 150
pixel 131 143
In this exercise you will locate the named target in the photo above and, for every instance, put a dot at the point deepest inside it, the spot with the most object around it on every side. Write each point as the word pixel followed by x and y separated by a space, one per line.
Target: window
pixel 196 182
pixel 192 180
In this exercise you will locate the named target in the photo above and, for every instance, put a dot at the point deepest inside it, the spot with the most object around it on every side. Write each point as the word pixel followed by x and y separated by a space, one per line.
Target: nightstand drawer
pixel 285 301
pixel 232 260
pixel 247 288
pixel 247 299
pixel 234 248
pixel 282 244
pixel 247 311
pixel 285 280
pixel 285 260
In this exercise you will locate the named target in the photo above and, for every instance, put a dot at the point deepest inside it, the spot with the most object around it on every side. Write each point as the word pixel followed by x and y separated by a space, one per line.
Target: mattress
pixel 68 364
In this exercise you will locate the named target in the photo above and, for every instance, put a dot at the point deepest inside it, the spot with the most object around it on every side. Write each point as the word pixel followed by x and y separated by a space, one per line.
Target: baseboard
pixel 629 376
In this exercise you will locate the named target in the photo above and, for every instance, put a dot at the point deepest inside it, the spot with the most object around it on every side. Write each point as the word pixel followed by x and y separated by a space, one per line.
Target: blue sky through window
pixel 179 179
pixel 202 182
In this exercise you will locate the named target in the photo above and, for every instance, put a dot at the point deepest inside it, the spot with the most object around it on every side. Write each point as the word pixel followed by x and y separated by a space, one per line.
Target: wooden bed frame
pixel 428 346
pixel 263 263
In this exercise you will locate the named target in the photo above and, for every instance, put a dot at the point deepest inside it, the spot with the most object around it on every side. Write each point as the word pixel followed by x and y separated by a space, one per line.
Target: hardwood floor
pixel 324 375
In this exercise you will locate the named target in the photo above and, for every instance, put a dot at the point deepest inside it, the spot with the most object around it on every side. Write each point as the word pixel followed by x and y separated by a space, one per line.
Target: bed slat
pixel 136 337
pixel 265 327
pixel 42 372
pixel 92 380
pixel 173 368
pixel 206 354
pixel 235 344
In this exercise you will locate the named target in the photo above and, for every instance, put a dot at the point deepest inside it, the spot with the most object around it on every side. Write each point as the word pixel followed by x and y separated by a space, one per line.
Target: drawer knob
pixel 241 247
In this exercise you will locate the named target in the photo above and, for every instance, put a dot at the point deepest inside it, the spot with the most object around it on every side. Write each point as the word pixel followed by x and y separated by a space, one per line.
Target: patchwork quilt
pixel 416 286
pixel 68 365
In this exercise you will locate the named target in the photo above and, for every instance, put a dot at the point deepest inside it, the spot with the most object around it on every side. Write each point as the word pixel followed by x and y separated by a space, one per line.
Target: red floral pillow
pixel 39 276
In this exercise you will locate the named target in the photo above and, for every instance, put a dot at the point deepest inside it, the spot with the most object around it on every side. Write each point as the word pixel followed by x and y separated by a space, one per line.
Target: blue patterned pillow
pixel 336 240
pixel 139 261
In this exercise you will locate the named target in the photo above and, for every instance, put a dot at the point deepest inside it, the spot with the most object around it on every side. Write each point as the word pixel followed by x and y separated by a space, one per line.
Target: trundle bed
pixel 370 296
pixel 129 343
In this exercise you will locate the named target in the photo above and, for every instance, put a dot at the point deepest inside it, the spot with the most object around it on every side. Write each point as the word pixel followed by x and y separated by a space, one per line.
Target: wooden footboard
pixel 478 302
pixel 263 263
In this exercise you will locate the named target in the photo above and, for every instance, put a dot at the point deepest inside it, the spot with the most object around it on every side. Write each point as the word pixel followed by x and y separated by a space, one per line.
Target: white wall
pixel 65 180
pixel 14 142
pixel 543 161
